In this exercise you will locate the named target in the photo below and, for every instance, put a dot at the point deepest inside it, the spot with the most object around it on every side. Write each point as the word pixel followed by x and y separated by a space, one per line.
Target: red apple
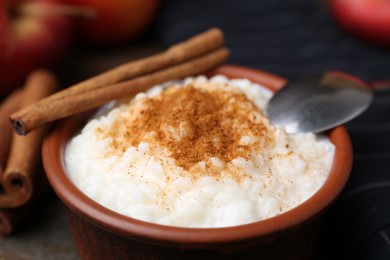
pixel 367 19
pixel 31 36
pixel 116 20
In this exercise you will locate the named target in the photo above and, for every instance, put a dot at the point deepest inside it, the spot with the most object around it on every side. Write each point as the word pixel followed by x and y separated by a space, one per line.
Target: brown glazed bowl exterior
pixel 100 233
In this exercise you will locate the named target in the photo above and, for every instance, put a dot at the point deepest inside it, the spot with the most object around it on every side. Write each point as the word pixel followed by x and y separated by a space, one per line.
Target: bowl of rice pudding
pixel 193 168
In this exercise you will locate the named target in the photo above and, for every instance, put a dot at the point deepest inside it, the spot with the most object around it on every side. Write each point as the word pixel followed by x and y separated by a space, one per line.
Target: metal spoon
pixel 318 103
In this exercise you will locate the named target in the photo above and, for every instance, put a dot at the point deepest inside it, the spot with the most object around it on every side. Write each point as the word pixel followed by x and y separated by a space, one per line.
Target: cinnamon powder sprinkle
pixel 194 125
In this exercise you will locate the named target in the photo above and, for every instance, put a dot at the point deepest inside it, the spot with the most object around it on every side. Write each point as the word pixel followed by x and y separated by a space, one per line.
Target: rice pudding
pixel 196 153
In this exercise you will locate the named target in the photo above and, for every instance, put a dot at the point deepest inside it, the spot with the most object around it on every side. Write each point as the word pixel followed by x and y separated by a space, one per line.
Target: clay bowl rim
pixel 74 199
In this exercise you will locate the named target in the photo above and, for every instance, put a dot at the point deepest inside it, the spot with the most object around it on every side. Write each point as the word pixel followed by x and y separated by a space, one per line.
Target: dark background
pixel 294 38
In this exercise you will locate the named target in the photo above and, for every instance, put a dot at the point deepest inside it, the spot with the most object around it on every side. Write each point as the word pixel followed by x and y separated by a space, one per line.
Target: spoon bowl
pixel 318 103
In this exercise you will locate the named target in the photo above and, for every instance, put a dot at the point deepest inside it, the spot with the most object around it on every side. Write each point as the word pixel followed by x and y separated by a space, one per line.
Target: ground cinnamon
pixel 25 152
pixel 43 112
pixel 195 125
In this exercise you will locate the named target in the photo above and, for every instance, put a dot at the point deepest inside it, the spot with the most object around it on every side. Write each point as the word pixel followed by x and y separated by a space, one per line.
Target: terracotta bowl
pixel 100 233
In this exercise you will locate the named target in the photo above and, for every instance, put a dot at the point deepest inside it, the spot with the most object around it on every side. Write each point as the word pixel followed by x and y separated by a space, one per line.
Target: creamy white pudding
pixel 196 153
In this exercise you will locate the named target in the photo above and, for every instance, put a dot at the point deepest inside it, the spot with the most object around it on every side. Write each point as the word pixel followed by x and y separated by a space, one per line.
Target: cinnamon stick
pixel 9 105
pixel 11 218
pixel 7 216
pixel 25 153
pixel 40 113
pixel 191 48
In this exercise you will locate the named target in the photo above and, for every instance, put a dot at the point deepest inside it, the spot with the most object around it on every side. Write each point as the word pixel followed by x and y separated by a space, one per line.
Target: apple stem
pixel 54 10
